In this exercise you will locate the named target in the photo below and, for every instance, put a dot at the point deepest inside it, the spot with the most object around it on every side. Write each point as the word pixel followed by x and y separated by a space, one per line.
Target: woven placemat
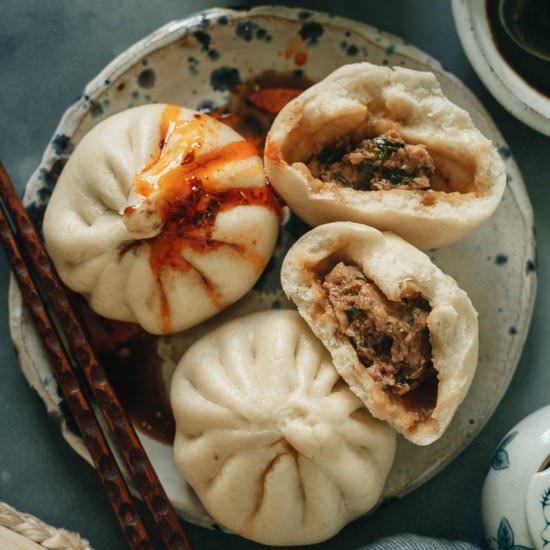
pixel 35 530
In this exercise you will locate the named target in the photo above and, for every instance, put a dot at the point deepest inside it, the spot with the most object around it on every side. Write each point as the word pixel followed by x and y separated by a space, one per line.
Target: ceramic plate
pixel 510 89
pixel 198 61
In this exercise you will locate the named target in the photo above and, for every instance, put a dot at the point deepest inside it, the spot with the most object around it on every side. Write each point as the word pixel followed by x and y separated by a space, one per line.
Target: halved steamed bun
pixel 276 446
pixel 401 333
pixel 386 148
pixel 161 217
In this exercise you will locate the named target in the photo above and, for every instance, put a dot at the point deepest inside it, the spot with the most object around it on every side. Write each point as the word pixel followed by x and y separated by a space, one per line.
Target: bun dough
pixel 364 100
pixel 161 217
pixel 276 446
pixel 396 268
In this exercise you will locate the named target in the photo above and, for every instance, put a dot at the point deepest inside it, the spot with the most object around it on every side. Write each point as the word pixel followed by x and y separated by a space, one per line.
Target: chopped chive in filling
pixel 380 163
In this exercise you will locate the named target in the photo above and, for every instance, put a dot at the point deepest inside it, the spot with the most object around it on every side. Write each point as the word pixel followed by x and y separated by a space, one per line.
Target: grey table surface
pixel 48 51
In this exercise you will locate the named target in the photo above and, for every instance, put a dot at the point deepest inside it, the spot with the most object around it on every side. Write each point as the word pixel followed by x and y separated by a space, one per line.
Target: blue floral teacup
pixel 515 499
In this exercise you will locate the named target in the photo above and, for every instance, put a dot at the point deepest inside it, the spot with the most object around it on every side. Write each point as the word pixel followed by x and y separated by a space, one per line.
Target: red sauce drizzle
pixel 188 199
pixel 273 100
pixel 300 58
pixel 254 105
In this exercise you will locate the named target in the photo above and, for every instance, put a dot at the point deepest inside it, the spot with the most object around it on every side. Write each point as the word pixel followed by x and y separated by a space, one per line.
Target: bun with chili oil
pixel 161 217
pixel 386 148
pixel 401 333
pixel 274 443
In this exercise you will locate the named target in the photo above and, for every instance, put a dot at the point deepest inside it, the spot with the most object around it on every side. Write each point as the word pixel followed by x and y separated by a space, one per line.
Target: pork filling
pixel 392 339
pixel 380 163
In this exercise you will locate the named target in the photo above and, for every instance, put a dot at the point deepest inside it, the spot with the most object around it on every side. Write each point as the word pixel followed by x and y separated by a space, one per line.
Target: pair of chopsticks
pixel 47 300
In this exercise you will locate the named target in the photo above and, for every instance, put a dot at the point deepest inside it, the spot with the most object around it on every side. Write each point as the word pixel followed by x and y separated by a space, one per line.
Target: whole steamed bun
pixel 276 446
pixel 161 217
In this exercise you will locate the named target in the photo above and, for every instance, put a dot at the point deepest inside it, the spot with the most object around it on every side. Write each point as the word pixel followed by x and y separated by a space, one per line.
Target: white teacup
pixel 515 501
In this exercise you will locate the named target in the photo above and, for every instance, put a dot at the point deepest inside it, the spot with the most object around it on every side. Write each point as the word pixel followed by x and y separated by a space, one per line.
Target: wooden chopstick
pixel 115 416
pixel 106 467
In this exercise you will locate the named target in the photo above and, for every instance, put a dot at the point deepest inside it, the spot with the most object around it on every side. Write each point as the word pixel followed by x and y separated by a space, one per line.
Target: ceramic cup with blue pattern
pixel 515 498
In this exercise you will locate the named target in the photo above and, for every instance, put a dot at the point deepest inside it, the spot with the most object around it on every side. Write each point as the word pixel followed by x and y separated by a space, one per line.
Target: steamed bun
pixel 386 148
pixel 401 332
pixel 276 446
pixel 161 217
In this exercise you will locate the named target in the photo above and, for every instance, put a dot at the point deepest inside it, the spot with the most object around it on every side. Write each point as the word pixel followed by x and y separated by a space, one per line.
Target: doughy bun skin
pixel 276 446
pixel 364 100
pixel 161 217
pixel 396 268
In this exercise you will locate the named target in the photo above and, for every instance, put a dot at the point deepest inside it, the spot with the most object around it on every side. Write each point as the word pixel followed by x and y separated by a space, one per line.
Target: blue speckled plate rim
pixel 174 30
